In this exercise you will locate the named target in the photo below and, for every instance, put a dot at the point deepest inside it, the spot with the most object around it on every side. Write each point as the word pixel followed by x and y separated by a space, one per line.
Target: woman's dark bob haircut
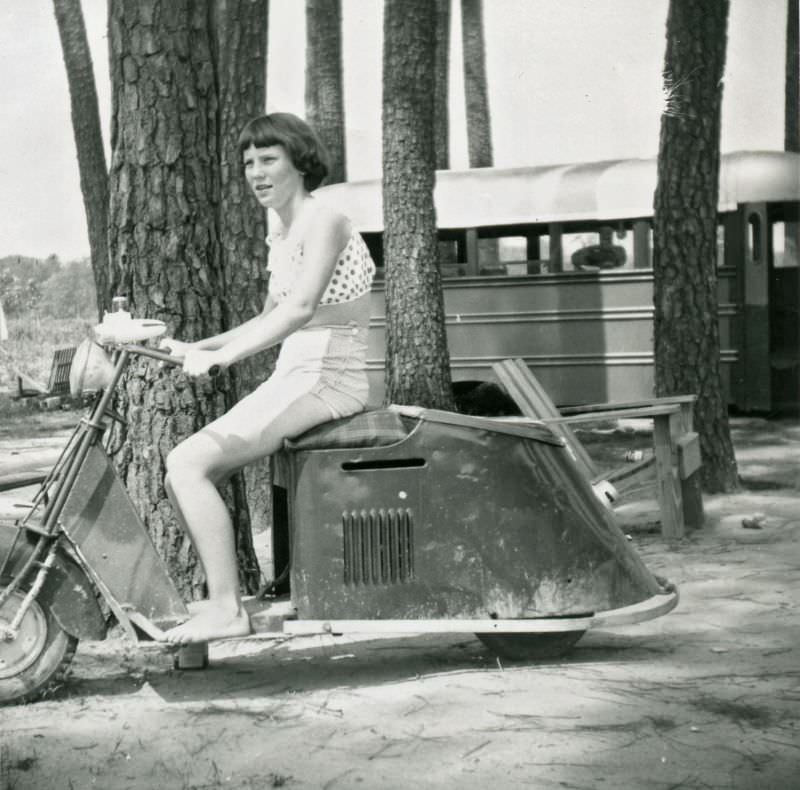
pixel 298 139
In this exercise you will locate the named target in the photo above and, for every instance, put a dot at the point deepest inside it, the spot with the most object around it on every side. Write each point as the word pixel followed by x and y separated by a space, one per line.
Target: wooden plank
pixel 668 489
pixel 617 414
pixel 631 404
pixel 21 480
pixel 534 402
pixel 688 447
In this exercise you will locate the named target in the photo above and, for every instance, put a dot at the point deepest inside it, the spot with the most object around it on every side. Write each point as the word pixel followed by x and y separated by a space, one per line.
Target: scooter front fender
pixel 67 590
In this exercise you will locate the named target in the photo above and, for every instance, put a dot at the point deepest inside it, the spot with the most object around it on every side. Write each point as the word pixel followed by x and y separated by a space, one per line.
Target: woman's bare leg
pixel 194 468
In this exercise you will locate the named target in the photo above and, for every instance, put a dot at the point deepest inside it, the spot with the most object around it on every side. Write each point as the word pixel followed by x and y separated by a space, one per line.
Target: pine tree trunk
pixel 417 361
pixel 686 326
pixel 92 166
pixel 791 137
pixel 479 130
pixel 324 94
pixel 164 243
pixel 441 92
pixel 792 100
pixel 241 38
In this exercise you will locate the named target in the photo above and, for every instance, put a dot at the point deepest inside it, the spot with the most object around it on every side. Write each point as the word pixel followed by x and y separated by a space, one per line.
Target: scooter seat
pixel 372 428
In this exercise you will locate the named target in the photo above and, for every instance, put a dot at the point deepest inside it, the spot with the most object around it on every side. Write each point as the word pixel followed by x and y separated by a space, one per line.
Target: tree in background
pixel 686 327
pixel 323 91
pixel 88 139
pixel 479 128
pixel 791 138
pixel 164 246
pixel 441 85
pixel 240 37
pixel 791 124
pixel 417 360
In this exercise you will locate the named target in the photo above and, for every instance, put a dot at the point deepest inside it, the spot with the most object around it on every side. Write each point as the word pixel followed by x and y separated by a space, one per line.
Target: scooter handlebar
pixel 168 359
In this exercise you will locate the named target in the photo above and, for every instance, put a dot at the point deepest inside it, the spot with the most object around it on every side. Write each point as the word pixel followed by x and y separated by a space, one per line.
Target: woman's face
pixel 272 175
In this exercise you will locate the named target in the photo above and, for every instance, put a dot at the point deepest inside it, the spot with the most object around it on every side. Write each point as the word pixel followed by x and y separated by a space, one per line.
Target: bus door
pixel 784 306
pixel 770 338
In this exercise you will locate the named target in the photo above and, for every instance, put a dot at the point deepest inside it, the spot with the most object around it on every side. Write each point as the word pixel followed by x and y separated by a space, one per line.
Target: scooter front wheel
pixel 35 658
pixel 530 647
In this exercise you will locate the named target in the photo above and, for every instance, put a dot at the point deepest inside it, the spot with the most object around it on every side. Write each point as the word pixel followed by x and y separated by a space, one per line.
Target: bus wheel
pixel 35 659
pixel 530 647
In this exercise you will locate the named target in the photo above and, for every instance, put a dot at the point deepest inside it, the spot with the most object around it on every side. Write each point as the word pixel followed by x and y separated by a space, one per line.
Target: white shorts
pixel 327 361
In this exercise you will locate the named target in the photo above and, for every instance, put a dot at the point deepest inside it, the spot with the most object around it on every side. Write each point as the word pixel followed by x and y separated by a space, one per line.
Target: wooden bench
pixel 676 445
pixel 58 384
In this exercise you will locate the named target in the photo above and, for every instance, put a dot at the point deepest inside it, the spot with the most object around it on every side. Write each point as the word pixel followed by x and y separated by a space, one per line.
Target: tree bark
pixel 479 128
pixel 417 360
pixel 241 41
pixel 92 166
pixel 164 243
pixel 686 326
pixel 792 99
pixel 441 91
pixel 324 96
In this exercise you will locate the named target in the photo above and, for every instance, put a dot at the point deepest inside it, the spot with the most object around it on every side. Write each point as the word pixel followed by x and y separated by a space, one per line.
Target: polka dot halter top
pixel 351 278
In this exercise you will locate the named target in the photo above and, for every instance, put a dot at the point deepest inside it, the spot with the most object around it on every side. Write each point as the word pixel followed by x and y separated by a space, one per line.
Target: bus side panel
pixel 588 337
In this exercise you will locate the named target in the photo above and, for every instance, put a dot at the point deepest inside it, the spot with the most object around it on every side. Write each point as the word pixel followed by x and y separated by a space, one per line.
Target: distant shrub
pixel 69 292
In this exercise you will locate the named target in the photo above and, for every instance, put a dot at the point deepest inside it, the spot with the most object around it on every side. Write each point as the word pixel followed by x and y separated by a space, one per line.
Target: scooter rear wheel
pixel 35 660
pixel 530 647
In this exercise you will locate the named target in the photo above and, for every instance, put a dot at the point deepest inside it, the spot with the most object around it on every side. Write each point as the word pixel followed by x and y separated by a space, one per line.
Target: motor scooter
pixel 400 520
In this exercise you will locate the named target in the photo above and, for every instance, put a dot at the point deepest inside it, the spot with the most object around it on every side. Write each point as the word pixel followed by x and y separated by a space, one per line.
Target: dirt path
pixel 706 697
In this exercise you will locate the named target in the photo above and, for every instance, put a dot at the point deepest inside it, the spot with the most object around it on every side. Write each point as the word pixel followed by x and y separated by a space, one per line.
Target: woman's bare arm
pixel 323 241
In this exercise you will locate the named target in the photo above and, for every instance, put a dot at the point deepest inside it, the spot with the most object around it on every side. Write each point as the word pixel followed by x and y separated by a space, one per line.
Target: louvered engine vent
pixel 378 546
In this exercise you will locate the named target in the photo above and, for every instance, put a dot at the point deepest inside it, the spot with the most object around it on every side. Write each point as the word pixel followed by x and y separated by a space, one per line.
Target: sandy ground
pixel 705 697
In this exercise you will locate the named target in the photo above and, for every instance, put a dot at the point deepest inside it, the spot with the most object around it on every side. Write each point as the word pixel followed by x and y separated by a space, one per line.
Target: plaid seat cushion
pixel 374 428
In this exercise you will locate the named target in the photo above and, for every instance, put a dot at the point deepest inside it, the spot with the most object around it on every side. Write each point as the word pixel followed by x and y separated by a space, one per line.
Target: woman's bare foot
pixel 210 620
pixel 196 607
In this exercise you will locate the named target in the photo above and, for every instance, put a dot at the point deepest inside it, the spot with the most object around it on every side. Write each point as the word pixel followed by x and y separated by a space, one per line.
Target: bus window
pixel 596 251
pixel 512 248
pixel 720 245
pixel 784 245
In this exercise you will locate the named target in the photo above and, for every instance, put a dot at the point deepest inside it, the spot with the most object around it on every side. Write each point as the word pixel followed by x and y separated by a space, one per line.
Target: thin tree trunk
pixel 324 96
pixel 686 326
pixel 791 137
pixel 164 243
pixel 479 129
pixel 417 361
pixel 441 92
pixel 792 100
pixel 88 139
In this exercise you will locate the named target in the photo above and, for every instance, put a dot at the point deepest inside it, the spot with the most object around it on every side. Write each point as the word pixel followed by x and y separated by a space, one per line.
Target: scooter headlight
pixel 91 369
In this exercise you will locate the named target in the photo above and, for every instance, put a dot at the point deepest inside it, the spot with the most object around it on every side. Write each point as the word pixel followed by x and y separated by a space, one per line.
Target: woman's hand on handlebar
pixel 199 362
pixel 196 361
pixel 175 347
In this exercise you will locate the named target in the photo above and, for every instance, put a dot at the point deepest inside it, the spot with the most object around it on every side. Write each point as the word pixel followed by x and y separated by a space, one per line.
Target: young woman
pixel 318 309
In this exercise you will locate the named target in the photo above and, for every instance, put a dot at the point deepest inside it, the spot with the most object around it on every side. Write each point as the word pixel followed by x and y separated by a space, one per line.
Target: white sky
pixel 569 80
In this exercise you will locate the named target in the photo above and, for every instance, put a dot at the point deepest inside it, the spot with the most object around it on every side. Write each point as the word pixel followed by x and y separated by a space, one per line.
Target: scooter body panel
pixel 102 522
pixel 461 519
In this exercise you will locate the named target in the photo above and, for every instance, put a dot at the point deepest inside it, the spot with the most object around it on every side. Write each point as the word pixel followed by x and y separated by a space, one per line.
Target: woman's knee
pixel 186 464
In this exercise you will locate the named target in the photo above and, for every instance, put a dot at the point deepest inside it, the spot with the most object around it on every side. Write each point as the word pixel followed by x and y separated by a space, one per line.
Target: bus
pixel 553 265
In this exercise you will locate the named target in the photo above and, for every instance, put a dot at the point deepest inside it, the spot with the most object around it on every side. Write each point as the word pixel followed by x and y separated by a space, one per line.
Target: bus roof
pixel 608 190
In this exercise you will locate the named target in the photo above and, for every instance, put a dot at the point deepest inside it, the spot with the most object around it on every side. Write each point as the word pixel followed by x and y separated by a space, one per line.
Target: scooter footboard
pixel 650 608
